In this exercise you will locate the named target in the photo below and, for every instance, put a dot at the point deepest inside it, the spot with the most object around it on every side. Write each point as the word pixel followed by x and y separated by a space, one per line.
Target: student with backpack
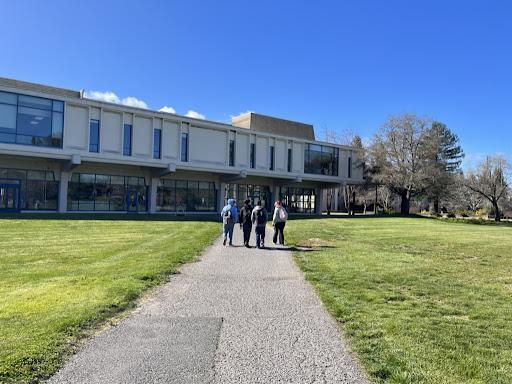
pixel 259 217
pixel 245 220
pixel 229 216
pixel 278 222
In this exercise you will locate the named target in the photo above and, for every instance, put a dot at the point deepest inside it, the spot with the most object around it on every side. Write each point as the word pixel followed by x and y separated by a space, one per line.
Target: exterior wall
pixel 275 125
pixel 208 150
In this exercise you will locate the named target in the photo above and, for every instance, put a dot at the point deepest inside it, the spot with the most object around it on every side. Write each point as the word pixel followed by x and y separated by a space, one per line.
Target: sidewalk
pixel 237 316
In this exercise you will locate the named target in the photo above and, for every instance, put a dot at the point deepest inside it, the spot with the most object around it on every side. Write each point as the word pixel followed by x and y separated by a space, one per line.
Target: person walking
pixel 245 220
pixel 229 216
pixel 278 222
pixel 259 217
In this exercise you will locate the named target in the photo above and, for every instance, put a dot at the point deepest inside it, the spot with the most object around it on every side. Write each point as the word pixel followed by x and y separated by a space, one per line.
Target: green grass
pixel 61 278
pixel 422 301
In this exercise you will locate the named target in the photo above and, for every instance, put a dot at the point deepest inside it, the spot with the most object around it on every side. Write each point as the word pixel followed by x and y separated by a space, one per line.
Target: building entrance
pixel 9 196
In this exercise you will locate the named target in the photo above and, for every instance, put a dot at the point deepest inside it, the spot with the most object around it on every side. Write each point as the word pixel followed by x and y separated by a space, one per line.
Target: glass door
pixel 132 201
pixel 9 197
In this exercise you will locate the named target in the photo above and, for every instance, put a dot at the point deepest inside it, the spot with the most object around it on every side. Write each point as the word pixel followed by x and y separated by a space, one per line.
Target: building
pixel 62 152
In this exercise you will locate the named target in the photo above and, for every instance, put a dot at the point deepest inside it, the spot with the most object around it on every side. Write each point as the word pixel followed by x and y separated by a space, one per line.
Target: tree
pixel 398 155
pixel 490 180
pixel 443 156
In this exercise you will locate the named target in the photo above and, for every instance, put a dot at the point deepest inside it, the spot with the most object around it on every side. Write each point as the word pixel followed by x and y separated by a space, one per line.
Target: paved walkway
pixel 237 316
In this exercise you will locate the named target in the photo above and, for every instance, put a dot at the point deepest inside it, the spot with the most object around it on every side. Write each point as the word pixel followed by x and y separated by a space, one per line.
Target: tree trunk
pixel 497 212
pixel 376 199
pixel 436 205
pixel 405 203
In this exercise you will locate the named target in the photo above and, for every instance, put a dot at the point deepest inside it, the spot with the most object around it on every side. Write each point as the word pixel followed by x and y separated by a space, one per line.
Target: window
pixel 321 159
pixel 241 192
pixel 253 155
pixel 289 159
pixel 231 153
pixel 349 172
pixel 185 195
pixel 157 143
pixel 94 136
pixel 298 200
pixel 91 192
pixel 127 140
pixel 38 189
pixel 271 158
pixel 31 120
pixel 184 146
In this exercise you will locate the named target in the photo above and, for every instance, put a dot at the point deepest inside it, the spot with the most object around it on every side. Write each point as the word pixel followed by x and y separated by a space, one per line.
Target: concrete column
pixel 153 190
pixel 63 191
pixel 220 195
pixel 319 201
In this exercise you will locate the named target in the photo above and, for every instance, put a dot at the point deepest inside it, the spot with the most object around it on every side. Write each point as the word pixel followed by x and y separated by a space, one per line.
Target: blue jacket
pixel 234 211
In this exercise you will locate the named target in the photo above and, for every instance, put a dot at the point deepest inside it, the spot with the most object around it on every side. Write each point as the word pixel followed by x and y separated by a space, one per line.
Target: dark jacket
pixel 244 216
pixel 254 216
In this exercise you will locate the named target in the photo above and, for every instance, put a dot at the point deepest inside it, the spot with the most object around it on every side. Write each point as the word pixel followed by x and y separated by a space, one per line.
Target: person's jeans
pixel 247 228
pixel 260 236
pixel 228 232
pixel 279 232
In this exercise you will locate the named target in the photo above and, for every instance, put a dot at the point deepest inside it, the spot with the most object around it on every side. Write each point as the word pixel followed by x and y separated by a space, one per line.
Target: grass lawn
pixel 422 301
pixel 59 278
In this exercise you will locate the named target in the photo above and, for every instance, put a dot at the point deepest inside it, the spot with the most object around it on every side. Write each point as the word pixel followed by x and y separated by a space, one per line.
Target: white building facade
pixel 61 152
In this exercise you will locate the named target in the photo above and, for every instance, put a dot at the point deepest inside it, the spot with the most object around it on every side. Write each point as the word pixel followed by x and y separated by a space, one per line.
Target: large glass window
pixel 127 139
pixel 321 159
pixel 298 200
pixel 349 171
pixel 157 143
pixel 185 195
pixel 231 153
pixel 94 136
pixel 92 192
pixel 253 155
pixel 31 120
pixel 242 192
pixel 184 146
pixel 289 165
pixel 38 189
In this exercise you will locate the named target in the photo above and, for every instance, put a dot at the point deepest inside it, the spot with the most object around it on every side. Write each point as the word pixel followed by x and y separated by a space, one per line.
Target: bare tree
pixel 397 152
pixel 490 180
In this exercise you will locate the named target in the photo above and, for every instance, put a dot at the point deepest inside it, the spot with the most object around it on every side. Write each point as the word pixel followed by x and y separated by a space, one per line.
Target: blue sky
pixel 341 65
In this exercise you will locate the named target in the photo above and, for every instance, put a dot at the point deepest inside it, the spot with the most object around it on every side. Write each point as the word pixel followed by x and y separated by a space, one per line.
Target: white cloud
pixel 134 102
pixel 109 97
pixel 195 115
pixel 167 109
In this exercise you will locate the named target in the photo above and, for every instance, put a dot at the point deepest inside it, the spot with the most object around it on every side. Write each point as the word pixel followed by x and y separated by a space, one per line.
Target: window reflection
pixel 31 120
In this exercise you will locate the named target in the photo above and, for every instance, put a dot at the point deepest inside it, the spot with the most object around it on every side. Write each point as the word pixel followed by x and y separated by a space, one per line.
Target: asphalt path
pixel 236 316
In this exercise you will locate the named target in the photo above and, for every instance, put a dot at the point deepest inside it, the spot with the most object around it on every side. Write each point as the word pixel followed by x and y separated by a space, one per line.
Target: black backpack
pixel 260 217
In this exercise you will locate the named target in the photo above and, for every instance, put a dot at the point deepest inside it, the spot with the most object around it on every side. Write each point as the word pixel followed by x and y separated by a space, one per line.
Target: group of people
pixel 250 216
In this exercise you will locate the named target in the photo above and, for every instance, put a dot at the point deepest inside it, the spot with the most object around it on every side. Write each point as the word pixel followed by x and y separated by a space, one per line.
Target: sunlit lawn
pixel 422 301
pixel 60 277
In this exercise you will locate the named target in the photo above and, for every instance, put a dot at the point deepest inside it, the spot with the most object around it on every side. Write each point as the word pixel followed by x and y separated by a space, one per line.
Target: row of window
pixel 96 192
pixel 94 139
pixel 186 195
pixel 35 190
pixel 38 190
pixel 252 156
pixel 31 120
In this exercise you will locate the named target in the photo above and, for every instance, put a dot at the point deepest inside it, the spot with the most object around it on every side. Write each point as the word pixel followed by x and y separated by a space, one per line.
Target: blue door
pixel 9 197
pixel 132 201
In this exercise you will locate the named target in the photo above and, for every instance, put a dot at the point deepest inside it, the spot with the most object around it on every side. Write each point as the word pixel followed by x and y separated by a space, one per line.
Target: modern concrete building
pixel 62 152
